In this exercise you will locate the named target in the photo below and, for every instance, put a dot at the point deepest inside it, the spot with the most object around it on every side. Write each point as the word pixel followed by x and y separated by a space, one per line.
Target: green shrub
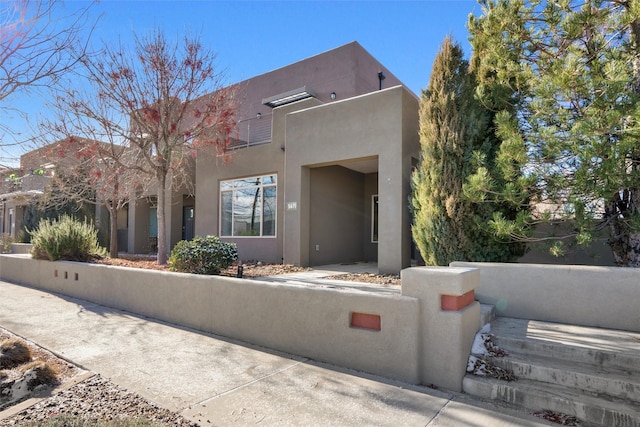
pixel 66 239
pixel 5 243
pixel 13 352
pixel 202 255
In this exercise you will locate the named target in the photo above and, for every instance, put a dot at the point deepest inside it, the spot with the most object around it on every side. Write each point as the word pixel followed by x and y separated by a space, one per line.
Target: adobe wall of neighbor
pixel 421 336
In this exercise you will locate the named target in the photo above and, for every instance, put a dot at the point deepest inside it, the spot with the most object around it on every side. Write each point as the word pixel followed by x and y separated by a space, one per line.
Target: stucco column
pixel 394 244
pixel 449 319
pixel 131 228
pixel 296 215
pixel 138 229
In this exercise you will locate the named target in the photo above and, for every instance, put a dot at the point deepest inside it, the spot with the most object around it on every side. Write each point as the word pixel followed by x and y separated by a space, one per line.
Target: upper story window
pixel 248 207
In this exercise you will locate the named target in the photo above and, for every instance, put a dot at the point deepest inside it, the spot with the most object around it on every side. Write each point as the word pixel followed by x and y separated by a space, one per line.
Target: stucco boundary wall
pixel 388 335
pixel 605 297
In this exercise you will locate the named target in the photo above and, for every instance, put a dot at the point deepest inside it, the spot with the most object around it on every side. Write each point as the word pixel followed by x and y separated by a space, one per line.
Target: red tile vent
pixel 455 303
pixel 366 321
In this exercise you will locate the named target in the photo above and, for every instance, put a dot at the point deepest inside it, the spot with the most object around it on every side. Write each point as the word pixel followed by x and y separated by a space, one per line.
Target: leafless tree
pixel 37 43
pixel 40 41
pixel 158 102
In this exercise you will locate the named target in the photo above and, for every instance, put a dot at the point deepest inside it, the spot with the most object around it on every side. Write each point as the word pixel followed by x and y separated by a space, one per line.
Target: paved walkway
pixel 215 381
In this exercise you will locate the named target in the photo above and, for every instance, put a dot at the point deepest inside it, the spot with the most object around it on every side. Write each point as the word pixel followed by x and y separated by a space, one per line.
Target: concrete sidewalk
pixel 214 381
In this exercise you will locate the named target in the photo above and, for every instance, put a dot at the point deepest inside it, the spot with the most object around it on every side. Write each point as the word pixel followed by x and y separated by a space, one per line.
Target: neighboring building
pixel 21 187
pixel 322 166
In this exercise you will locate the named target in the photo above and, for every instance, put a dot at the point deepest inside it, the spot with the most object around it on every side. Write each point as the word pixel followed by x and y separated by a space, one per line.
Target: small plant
pixel 6 242
pixel 13 352
pixel 202 255
pixel 39 373
pixel 66 239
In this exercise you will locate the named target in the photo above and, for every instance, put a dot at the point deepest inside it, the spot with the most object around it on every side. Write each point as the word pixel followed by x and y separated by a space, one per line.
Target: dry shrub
pixel 44 374
pixel 13 352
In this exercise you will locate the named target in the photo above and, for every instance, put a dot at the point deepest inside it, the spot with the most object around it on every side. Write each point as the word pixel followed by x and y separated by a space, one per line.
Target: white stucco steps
pixel 590 378
pixel 590 373
pixel 596 346
pixel 533 396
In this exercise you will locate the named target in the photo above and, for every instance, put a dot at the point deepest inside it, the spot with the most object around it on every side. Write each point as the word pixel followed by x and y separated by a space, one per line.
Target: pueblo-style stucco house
pixel 320 172
pixel 22 188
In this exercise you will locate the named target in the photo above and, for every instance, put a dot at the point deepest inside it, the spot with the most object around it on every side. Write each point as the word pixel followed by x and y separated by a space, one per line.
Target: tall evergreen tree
pixel 456 138
pixel 570 134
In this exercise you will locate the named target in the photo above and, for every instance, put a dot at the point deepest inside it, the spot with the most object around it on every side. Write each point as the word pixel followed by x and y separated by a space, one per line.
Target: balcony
pixel 253 131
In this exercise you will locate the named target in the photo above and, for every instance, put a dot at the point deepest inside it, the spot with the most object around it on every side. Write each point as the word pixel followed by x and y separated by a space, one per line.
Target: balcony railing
pixel 253 131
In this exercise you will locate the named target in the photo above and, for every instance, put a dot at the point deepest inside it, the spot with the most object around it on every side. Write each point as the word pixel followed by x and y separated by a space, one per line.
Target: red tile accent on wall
pixel 366 321
pixel 455 303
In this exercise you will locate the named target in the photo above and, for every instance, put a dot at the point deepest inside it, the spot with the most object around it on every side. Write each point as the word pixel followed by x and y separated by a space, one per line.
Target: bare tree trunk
pixel 162 239
pixel 113 234
pixel 625 240
pixel 626 248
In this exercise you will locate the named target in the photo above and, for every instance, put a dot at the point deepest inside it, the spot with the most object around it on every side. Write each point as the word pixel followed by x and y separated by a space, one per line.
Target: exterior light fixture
pixel 381 77
pixel 258 116
pixel 333 95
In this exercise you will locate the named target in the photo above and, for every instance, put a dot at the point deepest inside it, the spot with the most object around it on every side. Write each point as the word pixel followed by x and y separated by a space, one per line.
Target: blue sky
pixel 254 37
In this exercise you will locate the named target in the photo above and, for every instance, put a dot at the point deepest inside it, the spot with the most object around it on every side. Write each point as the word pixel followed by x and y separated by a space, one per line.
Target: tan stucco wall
pixel 252 161
pixel 367 126
pixel 348 70
pixel 138 231
pixel 337 215
pixel 597 253
pixel 446 336
pixel 604 297
pixel 306 321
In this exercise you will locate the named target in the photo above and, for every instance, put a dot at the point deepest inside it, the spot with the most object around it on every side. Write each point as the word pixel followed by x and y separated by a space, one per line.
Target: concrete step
pixel 590 373
pixel 599 347
pixel 487 313
pixel 581 376
pixel 532 396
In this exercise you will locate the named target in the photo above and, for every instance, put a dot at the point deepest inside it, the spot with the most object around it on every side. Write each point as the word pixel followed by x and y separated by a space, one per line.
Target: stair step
pixel 600 347
pixel 596 379
pixel 595 410
pixel 487 313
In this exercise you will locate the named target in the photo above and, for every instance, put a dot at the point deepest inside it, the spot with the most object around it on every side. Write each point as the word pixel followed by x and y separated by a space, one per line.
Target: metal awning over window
pixel 288 97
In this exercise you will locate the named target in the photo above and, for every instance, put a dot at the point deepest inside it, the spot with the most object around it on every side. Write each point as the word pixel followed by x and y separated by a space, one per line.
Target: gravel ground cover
pixel 257 269
pixel 94 398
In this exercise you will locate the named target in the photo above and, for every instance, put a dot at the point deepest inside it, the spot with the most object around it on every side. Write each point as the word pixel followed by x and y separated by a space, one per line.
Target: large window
pixel 248 207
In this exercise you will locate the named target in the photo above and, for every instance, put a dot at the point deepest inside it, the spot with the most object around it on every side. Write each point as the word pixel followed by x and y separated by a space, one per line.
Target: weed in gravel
pixel 13 352
pixel 41 373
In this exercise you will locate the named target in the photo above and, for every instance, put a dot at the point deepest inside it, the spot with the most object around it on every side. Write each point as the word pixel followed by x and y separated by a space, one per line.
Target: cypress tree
pixel 456 138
